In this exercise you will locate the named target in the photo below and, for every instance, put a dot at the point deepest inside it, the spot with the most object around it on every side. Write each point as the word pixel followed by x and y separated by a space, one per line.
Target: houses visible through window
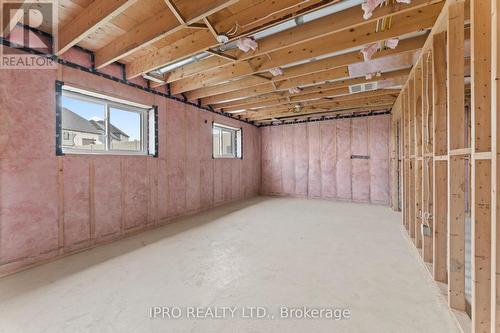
pixel 226 141
pixel 92 123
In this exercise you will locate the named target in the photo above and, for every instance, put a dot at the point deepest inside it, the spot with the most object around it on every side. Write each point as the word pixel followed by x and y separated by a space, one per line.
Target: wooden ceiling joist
pixel 201 40
pixel 332 74
pixel 207 69
pixel 321 57
pixel 261 100
pixel 287 98
pixel 248 82
pixel 153 29
pixel 397 77
pixel 324 114
pixel 175 11
pixel 260 90
pixel 308 69
pixel 379 102
pixel 91 18
pixel 340 22
pixel 402 24
pixel 364 97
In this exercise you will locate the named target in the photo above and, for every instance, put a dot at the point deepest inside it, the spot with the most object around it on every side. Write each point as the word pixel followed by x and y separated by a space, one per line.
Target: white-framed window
pixel 91 123
pixel 226 141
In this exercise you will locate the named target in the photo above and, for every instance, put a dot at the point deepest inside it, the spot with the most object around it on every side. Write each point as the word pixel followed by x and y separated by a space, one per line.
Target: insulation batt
pixel 392 43
pixel 371 75
pixel 276 71
pixel 370 50
pixel 370 5
pixel 294 90
pixel 245 44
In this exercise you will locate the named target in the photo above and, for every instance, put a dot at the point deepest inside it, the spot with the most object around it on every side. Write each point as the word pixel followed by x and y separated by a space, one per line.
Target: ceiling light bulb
pixel 222 38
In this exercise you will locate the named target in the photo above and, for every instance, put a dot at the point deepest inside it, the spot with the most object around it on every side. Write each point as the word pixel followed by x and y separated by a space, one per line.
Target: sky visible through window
pixel 125 121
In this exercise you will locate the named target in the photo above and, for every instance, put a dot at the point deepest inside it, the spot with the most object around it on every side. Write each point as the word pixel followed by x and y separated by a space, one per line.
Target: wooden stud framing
pixel 417 109
pixel 495 179
pixel 456 164
pixel 440 167
pixel 427 194
pixel 481 168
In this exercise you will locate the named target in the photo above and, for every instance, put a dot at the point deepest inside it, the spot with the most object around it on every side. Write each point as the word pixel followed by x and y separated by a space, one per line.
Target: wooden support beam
pixel 481 245
pixel 146 33
pixel 417 107
pixel 343 39
pixel 304 74
pixel 405 136
pixel 411 152
pixel 320 112
pixel 495 151
pixel 287 98
pixel 197 26
pixel 323 107
pixel 305 100
pixel 440 143
pixel 481 197
pixel 267 88
pixel 199 41
pixel 440 213
pixel 90 19
pixel 418 201
pixel 331 101
pixel 301 35
pixel 427 168
pixel 456 232
pixel 269 85
pixel 138 37
pixel 192 12
pixel 222 55
pixel 337 41
pixel 456 164
pixel 407 45
pixel 177 13
pixel 456 87
pixel 211 28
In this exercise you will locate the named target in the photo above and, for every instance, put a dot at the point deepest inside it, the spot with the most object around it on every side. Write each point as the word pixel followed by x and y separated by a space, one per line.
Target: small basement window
pixel 226 141
pixel 90 123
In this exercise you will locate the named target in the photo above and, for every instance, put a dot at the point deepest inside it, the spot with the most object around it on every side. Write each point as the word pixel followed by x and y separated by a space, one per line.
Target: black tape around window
pixel 157 141
pixel 59 85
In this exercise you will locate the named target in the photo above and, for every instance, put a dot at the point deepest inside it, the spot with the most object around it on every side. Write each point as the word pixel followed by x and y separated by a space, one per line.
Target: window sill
pixel 227 157
pixel 104 153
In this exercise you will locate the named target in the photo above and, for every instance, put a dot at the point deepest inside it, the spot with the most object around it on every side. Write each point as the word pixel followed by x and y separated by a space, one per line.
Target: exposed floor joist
pixel 94 16
pixel 201 40
pixel 305 42
pixel 165 24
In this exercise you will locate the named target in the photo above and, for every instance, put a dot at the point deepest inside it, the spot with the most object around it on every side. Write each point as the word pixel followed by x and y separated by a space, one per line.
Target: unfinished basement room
pixel 223 166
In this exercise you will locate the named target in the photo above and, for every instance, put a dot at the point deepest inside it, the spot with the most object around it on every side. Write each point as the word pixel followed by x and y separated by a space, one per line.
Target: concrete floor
pixel 268 252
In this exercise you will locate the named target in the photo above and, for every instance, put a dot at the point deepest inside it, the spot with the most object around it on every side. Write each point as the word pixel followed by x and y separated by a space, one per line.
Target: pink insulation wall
pixel 52 206
pixel 314 160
